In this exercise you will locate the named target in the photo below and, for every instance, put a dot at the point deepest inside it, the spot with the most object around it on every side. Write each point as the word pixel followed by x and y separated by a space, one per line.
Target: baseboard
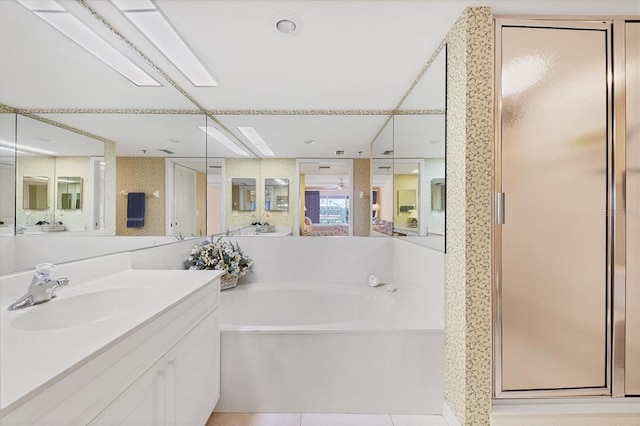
pixel 448 415
pixel 569 411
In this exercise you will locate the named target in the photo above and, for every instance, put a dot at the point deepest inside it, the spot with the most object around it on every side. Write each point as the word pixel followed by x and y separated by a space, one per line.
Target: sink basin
pixel 81 309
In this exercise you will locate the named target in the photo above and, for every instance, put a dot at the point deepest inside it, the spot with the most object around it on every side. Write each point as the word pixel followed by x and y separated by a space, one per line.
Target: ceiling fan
pixel 341 185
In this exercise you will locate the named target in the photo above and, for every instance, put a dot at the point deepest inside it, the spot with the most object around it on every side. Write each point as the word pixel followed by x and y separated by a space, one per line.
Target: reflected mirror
pixel 276 194
pixel 438 195
pixel 243 194
pixel 69 193
pixel 35 192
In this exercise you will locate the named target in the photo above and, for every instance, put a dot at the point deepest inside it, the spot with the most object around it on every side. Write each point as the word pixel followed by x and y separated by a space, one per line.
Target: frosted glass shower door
pixel 632 382
pixel 554 102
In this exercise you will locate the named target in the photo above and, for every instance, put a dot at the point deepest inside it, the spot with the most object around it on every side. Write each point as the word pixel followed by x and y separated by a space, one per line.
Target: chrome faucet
pixel 41 289
pixel 374 281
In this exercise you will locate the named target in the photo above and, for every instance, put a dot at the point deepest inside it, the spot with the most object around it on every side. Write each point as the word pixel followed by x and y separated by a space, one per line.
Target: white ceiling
pixel 348 55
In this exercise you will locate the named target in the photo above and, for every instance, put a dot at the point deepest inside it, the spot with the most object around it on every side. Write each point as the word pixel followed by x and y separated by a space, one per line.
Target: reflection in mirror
pixel 215 195
pixel 243 194
pixel 438 195
pixel 419 147
pixel 276 194
pixel 69 193
pixel 52 153
pixel 325 197
pixel 35 192
pixel 7 173
pixel 407 198
pixel 382 182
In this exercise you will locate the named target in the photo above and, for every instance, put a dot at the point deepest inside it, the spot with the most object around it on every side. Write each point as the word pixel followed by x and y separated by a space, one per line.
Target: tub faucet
pixel 374 281
pixel 41 289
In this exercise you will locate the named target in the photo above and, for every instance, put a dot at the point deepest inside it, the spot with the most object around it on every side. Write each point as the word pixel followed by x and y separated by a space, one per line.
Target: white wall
pixel 418 266
pixel 23 252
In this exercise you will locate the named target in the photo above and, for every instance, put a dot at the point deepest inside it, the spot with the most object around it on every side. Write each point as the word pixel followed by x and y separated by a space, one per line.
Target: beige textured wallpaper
pixel 469 182
pixel 361 206
pixel 141 174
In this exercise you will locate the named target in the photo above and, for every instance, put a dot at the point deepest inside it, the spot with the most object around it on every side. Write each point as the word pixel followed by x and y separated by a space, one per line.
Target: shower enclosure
pixel 567 233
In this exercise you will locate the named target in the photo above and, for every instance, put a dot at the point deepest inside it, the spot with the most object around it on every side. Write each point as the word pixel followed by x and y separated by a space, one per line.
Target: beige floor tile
pixel 417 420
pixel 346 420
pixel 254 419
pixel 628 420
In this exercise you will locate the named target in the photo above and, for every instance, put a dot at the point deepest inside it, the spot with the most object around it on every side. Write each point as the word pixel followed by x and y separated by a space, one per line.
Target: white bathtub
pixel 330 347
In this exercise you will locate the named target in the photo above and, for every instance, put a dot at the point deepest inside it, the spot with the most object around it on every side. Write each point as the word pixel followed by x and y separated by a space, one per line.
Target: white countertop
pixel 32 359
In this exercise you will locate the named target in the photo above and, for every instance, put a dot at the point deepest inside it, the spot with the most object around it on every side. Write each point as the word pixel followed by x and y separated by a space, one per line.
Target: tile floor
pixel 277 419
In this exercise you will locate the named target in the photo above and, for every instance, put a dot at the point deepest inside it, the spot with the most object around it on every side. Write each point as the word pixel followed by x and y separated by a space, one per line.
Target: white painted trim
pixel 448 415
pixel 567 406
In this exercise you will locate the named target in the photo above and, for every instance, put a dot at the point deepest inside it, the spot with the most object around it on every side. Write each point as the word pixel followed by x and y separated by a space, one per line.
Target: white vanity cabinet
pixel 180 389
pixel 164 370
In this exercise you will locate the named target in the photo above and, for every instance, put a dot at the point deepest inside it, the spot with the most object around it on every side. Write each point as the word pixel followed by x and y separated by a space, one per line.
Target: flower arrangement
pixel 221 255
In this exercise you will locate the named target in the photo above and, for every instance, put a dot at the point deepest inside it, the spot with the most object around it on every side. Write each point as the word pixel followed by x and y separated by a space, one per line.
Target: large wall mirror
pixel 185 163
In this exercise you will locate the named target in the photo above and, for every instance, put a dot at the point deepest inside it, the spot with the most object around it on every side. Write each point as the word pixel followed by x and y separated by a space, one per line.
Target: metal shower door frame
pixel 616 168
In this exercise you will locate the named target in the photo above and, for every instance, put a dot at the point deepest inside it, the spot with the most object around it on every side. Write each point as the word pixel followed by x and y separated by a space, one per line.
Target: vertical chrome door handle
pixel 500 208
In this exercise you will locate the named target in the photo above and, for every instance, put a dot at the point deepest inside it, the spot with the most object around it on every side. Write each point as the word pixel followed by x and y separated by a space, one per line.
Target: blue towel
pixel 135 210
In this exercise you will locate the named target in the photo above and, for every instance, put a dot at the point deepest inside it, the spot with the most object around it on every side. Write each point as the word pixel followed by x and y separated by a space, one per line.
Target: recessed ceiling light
pixel 153 25
pixel 434 141
pixel 166 151
pixel 55 15
pixel 286 26
pixel 387 152
pixel 223 139
pixel 309 141
pixel 174 140
pixel 255 138
pixel 339 152
pixel 43 139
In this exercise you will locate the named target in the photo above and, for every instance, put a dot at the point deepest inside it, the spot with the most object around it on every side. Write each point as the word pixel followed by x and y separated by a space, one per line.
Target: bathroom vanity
pixel 128 347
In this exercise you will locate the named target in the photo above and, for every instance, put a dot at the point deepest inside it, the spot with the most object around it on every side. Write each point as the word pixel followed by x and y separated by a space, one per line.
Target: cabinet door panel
pixel 194 374
pixel 140 404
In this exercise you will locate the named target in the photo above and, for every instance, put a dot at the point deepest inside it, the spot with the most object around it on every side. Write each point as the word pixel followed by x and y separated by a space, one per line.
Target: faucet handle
pixel 63 282
pixel 44 271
